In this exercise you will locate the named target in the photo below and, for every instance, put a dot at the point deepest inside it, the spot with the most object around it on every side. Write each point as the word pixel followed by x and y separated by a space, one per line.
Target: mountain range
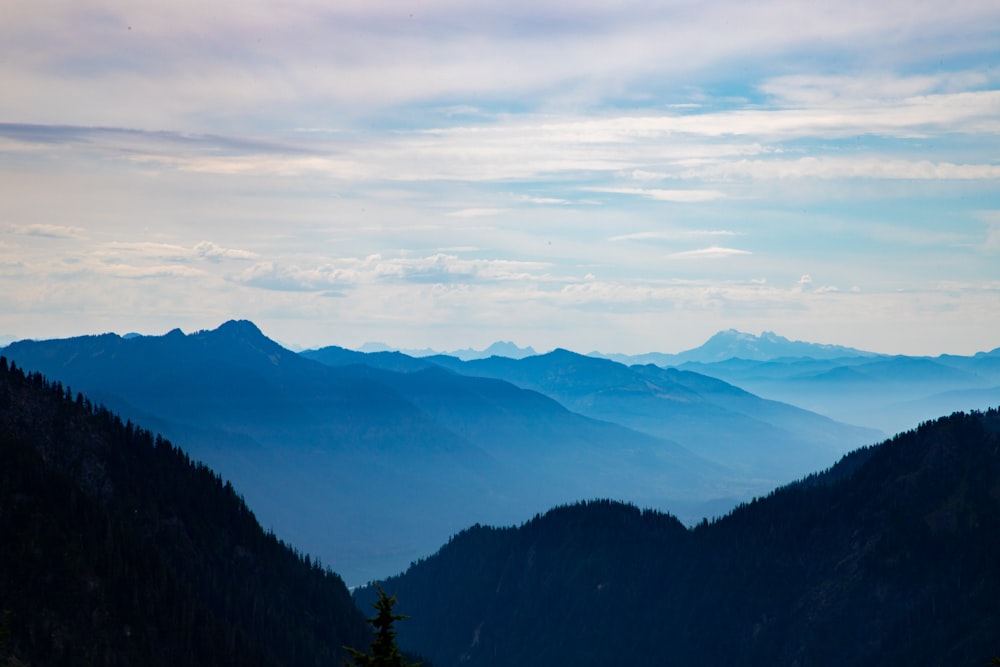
pixel 887 558
pixel 890 393
pixel 731 344
pixel 761 439
pixel 370 461
pixel 885 392
pixel 122 548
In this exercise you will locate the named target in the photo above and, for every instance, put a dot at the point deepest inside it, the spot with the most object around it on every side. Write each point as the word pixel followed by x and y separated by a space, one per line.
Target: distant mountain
pixel 499 349
pixel 736 344
pixel 889 393
pixel 388 360
pixel 117 550
pixel 889 558
pixel 369 467
pixel 764 440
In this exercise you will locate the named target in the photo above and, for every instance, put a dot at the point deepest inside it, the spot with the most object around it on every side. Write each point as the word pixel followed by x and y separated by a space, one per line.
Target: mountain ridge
pixel 888 557
pixel 296 434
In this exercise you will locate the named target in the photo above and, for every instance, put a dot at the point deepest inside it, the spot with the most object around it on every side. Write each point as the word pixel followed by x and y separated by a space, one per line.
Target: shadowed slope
pixel 889 558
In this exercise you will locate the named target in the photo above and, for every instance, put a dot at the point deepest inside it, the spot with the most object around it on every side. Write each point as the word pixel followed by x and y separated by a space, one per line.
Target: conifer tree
pixel 384 652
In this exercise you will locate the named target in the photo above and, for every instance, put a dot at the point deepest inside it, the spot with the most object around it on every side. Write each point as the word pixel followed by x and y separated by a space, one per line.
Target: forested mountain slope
pixel 115 549
pixel 889 558
pixel 370 468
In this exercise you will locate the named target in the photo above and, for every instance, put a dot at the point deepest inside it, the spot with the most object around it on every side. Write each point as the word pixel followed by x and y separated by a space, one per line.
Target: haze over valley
pixel 370 461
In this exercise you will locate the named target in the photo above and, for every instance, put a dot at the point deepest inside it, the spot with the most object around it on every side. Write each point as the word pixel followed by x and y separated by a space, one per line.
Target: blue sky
pixel 615 176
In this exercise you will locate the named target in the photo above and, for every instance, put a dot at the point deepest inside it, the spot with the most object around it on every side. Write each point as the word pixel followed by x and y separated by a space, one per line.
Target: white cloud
pixel 274 276
pixel 209 250
pixel 714 252
pixel 542 200
pixel 174 252
pixel 476 212
pixel 158 271
pixel 672 235
pixel 856 167
pixel 345 273
pixel 680 196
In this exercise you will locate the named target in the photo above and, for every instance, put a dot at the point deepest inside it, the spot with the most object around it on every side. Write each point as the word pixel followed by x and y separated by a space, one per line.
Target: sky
pixel 616 176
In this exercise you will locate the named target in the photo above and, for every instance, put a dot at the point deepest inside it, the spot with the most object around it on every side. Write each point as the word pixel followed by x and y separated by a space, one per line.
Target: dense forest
pixel 117 549
pixel 889 558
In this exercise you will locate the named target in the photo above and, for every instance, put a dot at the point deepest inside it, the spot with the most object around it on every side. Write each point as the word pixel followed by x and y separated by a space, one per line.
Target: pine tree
pixel 384 652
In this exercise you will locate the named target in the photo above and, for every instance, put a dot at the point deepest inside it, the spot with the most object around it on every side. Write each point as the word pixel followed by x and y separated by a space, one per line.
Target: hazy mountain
pixel 731 344
pixel 117 550
pixel 889 393
pixel 499 348
pixel 389 360
pixel 765 440
pixel 889 558
pixel 366 467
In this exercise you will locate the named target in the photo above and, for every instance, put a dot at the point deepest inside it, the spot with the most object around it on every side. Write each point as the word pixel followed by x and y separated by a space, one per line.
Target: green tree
pixel 384 652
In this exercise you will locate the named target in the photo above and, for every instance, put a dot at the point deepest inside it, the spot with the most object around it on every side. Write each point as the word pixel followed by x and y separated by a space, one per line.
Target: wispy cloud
pixel 476 212
pixel 673 235
pixel 346 273
pixel 47 231
pixel 155 250
pixel 149 272
pixel 680 196
pixel 713 252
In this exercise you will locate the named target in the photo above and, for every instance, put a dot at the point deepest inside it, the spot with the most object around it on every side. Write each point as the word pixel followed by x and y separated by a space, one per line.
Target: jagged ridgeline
pixel 891 557
pixel 116 549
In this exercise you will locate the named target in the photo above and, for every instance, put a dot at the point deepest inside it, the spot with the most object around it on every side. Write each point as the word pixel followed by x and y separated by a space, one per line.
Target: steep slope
pixel 368 468
pixel 887 558
pixel 117 550
pixel 764 440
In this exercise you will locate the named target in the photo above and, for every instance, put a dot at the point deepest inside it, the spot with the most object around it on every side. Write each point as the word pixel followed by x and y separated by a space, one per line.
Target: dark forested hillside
pixel 889 558
pixel 115 549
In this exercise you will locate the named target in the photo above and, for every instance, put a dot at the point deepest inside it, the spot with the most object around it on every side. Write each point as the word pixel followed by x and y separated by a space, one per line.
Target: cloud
pixel 672 235
pixel 274 276
pixel 154 250
pixel 856 167
pixel 542 200
pixel 346 273
pixel 680 196
pixel 360 56
pixel 992 244
pixel 857 139
pixel 477 212
pixel 443 268
pixel 209 250
pixel 149 272
pixel 714 252
pixel 47 231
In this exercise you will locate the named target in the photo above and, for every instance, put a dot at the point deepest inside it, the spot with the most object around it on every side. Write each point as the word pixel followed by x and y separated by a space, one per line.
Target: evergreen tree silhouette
pixel 384 652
